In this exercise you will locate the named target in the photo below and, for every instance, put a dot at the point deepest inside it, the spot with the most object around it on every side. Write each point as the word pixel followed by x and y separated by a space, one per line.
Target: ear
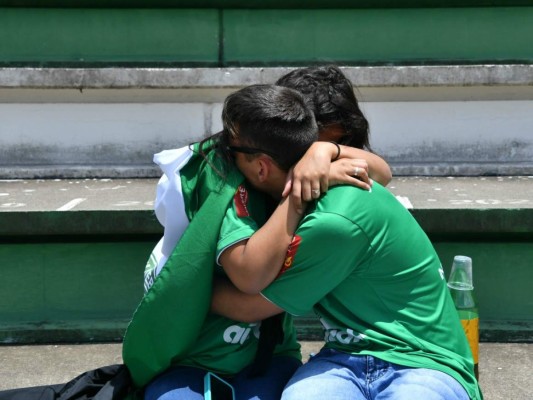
pixel 264 168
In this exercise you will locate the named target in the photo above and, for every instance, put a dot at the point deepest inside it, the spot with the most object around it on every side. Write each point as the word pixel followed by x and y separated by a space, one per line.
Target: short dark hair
pixel 332 98
pixel 277 120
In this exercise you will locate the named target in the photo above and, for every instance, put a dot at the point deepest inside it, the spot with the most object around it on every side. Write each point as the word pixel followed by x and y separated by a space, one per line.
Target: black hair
pixel 269 119
pixel 332 98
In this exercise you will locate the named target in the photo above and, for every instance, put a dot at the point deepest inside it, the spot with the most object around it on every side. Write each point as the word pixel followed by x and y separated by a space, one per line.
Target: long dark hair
pixel 332 98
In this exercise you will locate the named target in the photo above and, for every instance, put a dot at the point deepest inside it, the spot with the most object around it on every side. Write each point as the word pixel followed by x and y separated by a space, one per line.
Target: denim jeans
pixel 342 376
pixel 187 383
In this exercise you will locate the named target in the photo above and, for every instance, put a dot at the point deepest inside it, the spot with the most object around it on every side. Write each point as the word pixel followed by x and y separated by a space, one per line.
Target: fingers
pixel 324 184
pixel 288 184
pixel 311 189
pixel 360 171
pixel 296 195
pixel 352 172
pixel 287 188
pixel 360 184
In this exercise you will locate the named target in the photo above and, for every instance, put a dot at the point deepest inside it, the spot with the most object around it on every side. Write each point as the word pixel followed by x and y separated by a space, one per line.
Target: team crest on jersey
pixel 241 201
pixel 291 253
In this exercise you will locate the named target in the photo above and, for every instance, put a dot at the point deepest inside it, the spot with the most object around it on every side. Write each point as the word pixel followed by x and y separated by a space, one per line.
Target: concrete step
pixel 504 368
pixel 76 249
pixel 108 122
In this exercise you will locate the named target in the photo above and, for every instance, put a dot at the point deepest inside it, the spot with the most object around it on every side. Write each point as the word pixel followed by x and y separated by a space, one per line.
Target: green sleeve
pixel 242 219
pixel 326 249
pixel 234 229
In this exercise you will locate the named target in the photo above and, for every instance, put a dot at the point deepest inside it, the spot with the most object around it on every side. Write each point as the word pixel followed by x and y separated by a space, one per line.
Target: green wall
pixel 86 288
pixel 108 36
pixel 70 291
pixel 254 37
pixel 257 4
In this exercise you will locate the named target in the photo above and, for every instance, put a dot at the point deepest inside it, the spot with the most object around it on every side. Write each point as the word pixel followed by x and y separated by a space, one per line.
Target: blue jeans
pixel 187 383
pixel 342 376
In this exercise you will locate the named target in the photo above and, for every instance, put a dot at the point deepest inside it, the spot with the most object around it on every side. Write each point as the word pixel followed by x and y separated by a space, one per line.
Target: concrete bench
pixel 108 122
pixel 74 252
pixel 504 368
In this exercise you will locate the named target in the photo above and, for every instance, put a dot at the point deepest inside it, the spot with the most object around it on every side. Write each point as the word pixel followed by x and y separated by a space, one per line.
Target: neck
pixel 276 185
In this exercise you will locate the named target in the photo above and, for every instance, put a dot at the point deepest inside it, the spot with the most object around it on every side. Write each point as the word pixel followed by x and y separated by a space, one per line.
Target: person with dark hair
pixel 223 345
pixel 359 260
pixel 334 104
pixel 340 120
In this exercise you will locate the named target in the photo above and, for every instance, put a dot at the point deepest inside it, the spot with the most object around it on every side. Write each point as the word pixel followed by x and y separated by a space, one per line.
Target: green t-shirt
pixel 367 269
pixel 243 218
pixel 225 346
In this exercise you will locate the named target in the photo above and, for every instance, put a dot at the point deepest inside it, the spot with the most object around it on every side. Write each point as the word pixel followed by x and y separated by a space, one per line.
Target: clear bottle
pixel 461 288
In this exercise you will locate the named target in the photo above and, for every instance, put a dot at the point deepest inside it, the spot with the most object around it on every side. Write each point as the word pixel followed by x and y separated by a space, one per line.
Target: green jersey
pixel 367 269
pixel 239 225
pixel 225 346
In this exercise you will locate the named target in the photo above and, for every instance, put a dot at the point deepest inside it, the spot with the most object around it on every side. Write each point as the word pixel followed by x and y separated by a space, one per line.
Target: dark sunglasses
pixel 250 150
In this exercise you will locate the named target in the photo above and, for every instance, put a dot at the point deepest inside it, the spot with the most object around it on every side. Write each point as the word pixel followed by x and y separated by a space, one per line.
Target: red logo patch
pixel 291 253
pixel 241 202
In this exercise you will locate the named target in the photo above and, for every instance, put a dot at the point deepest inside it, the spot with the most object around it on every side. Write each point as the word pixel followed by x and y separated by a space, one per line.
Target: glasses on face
pixel 249 150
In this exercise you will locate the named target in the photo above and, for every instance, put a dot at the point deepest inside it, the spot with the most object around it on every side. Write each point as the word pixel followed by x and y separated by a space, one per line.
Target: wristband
pixel 338 151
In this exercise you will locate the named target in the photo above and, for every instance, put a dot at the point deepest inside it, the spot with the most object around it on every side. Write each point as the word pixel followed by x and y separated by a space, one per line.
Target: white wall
pixel 47 131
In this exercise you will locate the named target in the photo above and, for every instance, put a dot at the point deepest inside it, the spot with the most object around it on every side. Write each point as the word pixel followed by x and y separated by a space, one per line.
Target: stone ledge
pixel 198 78
pixel 480 206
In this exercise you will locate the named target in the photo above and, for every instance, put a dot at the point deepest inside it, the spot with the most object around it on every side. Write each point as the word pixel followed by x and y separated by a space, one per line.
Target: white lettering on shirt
pixel 239 334
pixel 343 336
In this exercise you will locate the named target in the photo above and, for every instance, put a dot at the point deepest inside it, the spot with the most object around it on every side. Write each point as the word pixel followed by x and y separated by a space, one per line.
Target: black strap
pixel 271 334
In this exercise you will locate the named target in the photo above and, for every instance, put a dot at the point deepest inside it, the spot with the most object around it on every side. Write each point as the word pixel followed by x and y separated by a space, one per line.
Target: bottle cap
pixel 461 274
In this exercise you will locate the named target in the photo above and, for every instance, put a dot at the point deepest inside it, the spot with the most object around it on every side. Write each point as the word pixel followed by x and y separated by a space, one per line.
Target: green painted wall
pixel 70 290
pixel 210 37
pixel 86 289
pixel 378 36
pixel 502 276
pixel 256 4
pixel 109 36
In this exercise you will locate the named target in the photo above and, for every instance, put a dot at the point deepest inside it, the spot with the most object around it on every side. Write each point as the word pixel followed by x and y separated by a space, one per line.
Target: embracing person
pixel 357 259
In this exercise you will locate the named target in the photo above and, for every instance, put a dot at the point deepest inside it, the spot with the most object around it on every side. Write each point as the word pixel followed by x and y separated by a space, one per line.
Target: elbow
pixel 250 287
pixel 249 283
pixel 385 178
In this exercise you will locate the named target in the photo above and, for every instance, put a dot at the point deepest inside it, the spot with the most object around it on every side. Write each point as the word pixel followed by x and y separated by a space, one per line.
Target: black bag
pixel 112 382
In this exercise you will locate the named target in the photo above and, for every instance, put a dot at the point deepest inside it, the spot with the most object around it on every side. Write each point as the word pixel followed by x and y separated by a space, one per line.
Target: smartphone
pixel 216 388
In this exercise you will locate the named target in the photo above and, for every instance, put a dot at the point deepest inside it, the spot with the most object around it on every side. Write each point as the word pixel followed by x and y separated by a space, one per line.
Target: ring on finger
pixel 356 171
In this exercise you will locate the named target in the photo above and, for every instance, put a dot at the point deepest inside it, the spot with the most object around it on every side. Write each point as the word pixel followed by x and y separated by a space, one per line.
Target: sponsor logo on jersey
pixel 238 334
pixel 291 253
pixel 241 201
pixel 340 335
pixel 343 336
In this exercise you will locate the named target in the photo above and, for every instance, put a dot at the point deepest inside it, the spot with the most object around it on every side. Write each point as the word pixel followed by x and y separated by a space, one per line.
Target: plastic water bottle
pixel 461 288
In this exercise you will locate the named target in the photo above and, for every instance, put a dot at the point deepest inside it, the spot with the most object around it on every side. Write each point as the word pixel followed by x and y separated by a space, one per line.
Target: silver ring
pixel 356 171
pixel 316 192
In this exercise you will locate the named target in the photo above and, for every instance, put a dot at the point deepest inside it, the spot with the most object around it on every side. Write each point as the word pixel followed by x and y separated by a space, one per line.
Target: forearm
pixel 231 303
pixel 378 169
pixel 253 264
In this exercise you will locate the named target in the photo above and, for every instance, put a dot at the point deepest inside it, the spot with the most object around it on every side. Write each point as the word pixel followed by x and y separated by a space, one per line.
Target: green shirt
pixel 225 346
pixel 239 225
pixel 370 273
